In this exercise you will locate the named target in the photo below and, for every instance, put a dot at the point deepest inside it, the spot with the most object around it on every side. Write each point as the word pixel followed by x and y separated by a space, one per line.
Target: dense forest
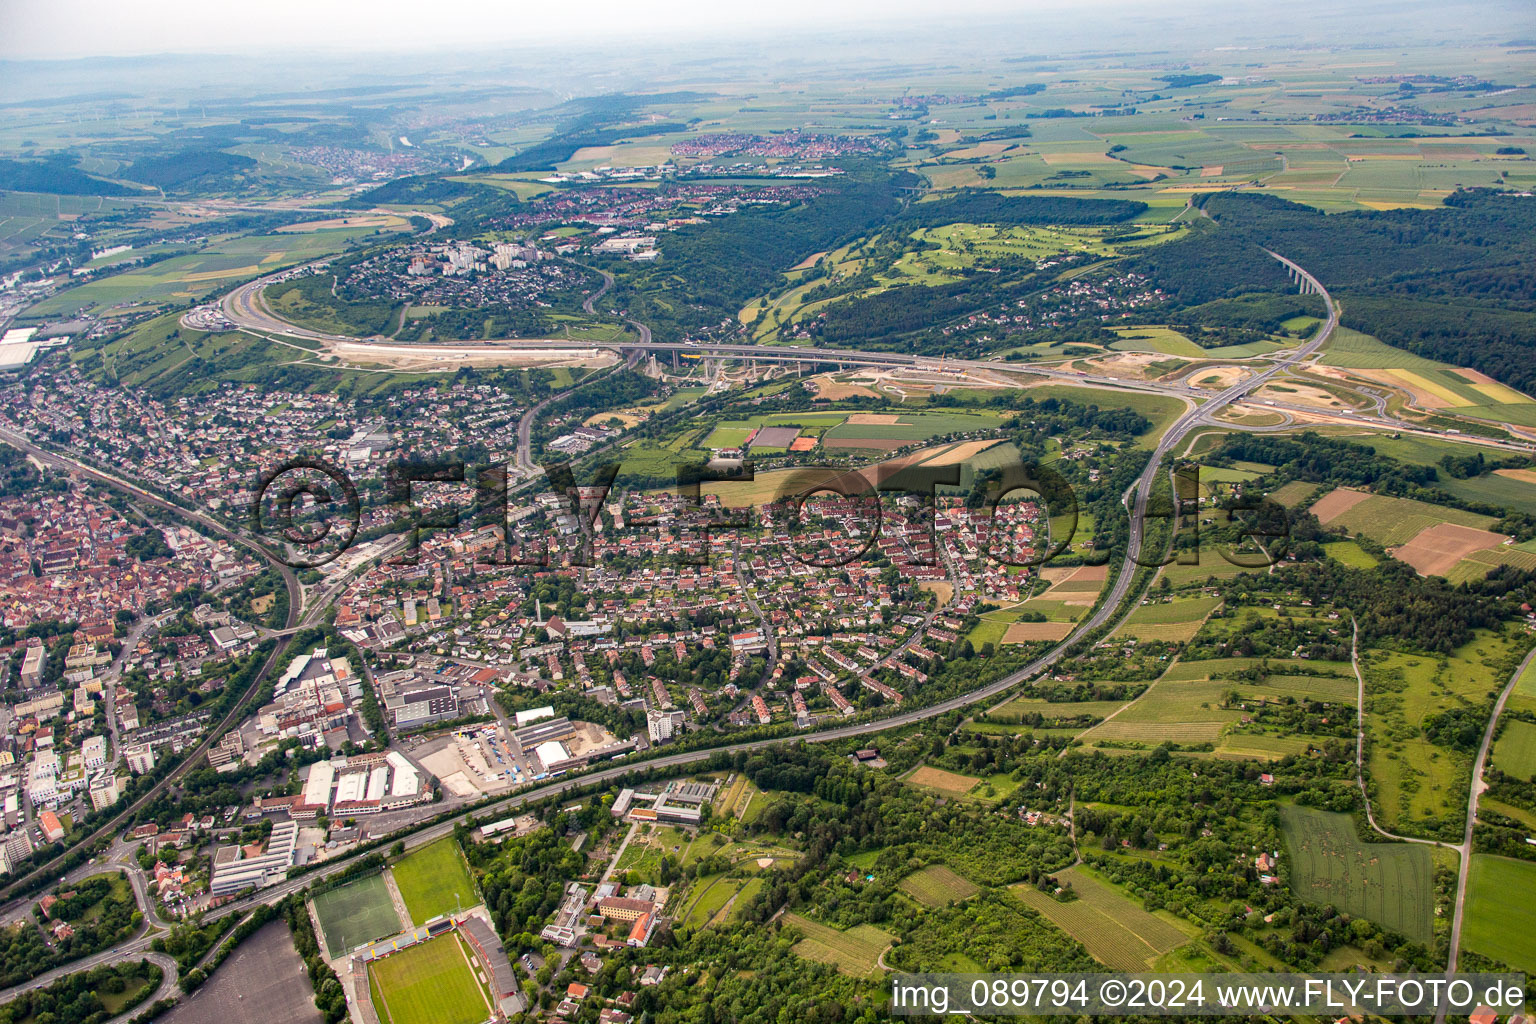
pixel 1451 283
pixel 711 270
pixel 56 175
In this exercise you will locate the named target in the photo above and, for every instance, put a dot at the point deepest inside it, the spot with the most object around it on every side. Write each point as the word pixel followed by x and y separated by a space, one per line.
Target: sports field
pixel 1496 925
pixel 1389 883
pixel 1515 752
pixel 433 880
pixel 937 886
pixel 855 951
pixel 356 913
pixel 1112 926
pixel 429 983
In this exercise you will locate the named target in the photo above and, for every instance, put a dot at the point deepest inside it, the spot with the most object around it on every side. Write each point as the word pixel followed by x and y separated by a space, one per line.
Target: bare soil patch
pixel 1336 502
pixel 1027 632
pixel 1435 550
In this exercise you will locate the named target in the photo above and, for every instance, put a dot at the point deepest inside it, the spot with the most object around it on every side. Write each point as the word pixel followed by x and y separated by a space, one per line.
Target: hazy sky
pixel 73 28
pixel 43 29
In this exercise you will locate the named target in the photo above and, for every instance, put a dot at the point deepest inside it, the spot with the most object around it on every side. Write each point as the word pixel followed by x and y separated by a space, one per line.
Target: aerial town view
pixel 680 513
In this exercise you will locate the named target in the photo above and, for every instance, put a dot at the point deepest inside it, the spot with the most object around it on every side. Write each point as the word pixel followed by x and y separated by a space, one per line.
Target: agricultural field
pixel 1169 618
pixel 1392 884
pixel 937 886
pixel 1171 711
pixel 1294 493
pixel 855 952
pixel 432 982
pixel 1184 705
pixel 1515 752
pixel 941 781
pixel 355 913
pixel 434 881
pixel 1111 925
pixel 1351 554
pixel 1523 696
pixel 1430 385
pixel 1163 340
pixel 192 275
pixel 1497 926
pixel 1435 539
pixel 1209 561
pixel 28 217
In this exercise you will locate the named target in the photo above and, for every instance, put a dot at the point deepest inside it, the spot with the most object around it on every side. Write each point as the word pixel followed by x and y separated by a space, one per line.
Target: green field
pixel 727 437
pixel 1392 521
pixel 1112 926
pixel 429 983
pixel 1350 554
pixel 195 274
pixel 1293 493
pixel 1177 619
pixel 937 886
pixel 1523 697
pixel 356 913
pixel 1164 340
pixel 1389 883
pixel 434 881
pixel 1353 350
pixel 1496 925
pixel 916 426
pixel 1515 752
pixel 1418 785
pixel 855 952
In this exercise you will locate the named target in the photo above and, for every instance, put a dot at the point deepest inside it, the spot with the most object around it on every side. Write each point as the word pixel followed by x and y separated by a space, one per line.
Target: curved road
pixel 1137 494
pixel 1136 497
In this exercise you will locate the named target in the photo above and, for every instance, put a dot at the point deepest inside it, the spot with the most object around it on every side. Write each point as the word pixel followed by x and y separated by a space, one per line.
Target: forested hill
pixel 970 207
pixel 1452 283
pixel 712 269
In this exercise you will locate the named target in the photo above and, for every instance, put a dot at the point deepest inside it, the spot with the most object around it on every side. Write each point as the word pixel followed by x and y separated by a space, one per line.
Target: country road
pixel 1474 793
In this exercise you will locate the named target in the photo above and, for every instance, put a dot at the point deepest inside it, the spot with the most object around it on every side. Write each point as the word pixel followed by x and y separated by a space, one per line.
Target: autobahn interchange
pixel 244 307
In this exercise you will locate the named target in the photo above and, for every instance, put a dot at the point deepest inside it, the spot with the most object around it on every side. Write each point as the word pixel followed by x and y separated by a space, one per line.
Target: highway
pixel 243 305
pixel 1136 497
